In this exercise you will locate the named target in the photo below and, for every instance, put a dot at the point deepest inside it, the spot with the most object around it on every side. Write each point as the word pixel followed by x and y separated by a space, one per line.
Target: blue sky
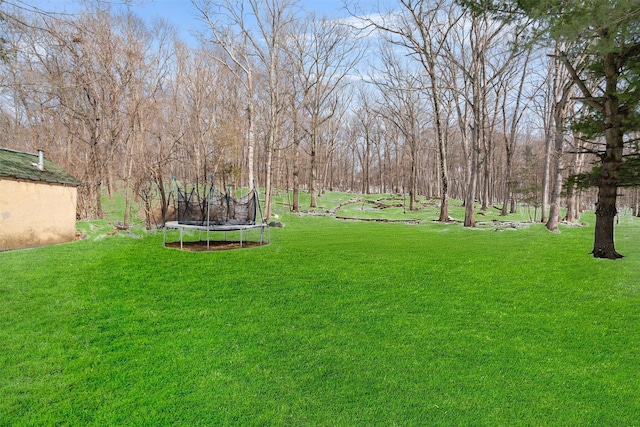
pixel 183 15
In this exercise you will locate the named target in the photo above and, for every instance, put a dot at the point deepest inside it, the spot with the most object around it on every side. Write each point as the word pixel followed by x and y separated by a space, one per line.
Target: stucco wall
pixel 36 214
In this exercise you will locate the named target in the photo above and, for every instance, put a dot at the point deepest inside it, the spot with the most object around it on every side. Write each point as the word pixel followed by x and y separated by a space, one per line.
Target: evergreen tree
pixel 604 64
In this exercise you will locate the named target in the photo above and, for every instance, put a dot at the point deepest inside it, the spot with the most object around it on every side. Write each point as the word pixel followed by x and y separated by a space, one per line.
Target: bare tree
pixel 575 167
pixel 482 59
pixel 420 29
pixel 479 40
pixel 259 32
pixel 562 104
pixel 87 69
pixel 227 21
pixel 511 119
pixel 326 52
pixel 275 29
pixel 366 134
pixel 404 107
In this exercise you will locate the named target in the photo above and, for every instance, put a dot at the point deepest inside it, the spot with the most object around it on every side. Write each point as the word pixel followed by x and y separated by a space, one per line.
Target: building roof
pixel 20 165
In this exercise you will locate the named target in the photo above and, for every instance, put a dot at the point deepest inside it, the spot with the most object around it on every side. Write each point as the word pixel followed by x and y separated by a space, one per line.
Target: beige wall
pixel 36 214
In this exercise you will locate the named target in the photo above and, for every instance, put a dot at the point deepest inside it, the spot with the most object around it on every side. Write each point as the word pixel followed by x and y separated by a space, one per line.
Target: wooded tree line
pixel 427 98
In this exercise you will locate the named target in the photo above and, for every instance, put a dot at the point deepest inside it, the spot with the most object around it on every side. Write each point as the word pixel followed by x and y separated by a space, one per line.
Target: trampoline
pixel 216 212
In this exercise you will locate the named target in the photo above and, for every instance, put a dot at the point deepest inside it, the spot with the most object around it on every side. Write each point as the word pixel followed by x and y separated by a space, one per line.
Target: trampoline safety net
pixel 216 208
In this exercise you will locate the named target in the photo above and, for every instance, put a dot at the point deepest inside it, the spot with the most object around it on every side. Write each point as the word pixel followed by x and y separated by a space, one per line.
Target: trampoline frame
pixel 242 228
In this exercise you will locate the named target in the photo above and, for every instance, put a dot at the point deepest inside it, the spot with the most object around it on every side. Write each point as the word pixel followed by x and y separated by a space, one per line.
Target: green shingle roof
pixel 19 165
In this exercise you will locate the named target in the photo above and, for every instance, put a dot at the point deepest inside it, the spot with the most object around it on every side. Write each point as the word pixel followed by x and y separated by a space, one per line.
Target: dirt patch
pixel 214 245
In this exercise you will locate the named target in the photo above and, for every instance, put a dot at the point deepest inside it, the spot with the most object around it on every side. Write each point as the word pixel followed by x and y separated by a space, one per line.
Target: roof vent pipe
pixel 40 164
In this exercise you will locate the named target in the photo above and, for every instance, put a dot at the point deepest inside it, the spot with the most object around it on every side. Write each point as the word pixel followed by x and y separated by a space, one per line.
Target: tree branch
pixel 588 96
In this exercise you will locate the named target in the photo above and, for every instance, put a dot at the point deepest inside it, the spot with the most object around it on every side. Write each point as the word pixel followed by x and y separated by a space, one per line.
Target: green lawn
pixel 334 323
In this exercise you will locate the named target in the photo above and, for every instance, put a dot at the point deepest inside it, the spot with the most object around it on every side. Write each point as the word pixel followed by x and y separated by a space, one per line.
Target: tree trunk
pixel 250 142
pixel 164 202
pixel 573 205
pixel 97 165
pixel 545 175
pixel 314 171
pixel 413 183
pixel 476 137
pixel 486 174
pixel 556 190
pixel 110 183
pixel 442 155
pixel 268 189
pixel 295 205
pixel 366 163
pixel 572 215
pixel 507 186
pixel 469 214
pixel 561 95
pixel 603 246
pixel 556 160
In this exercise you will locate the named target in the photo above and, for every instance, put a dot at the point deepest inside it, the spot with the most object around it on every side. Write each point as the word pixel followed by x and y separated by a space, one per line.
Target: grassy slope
pixel 334 323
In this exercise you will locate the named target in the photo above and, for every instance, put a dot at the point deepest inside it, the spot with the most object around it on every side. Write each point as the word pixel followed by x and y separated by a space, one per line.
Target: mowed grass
pixel 334 323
